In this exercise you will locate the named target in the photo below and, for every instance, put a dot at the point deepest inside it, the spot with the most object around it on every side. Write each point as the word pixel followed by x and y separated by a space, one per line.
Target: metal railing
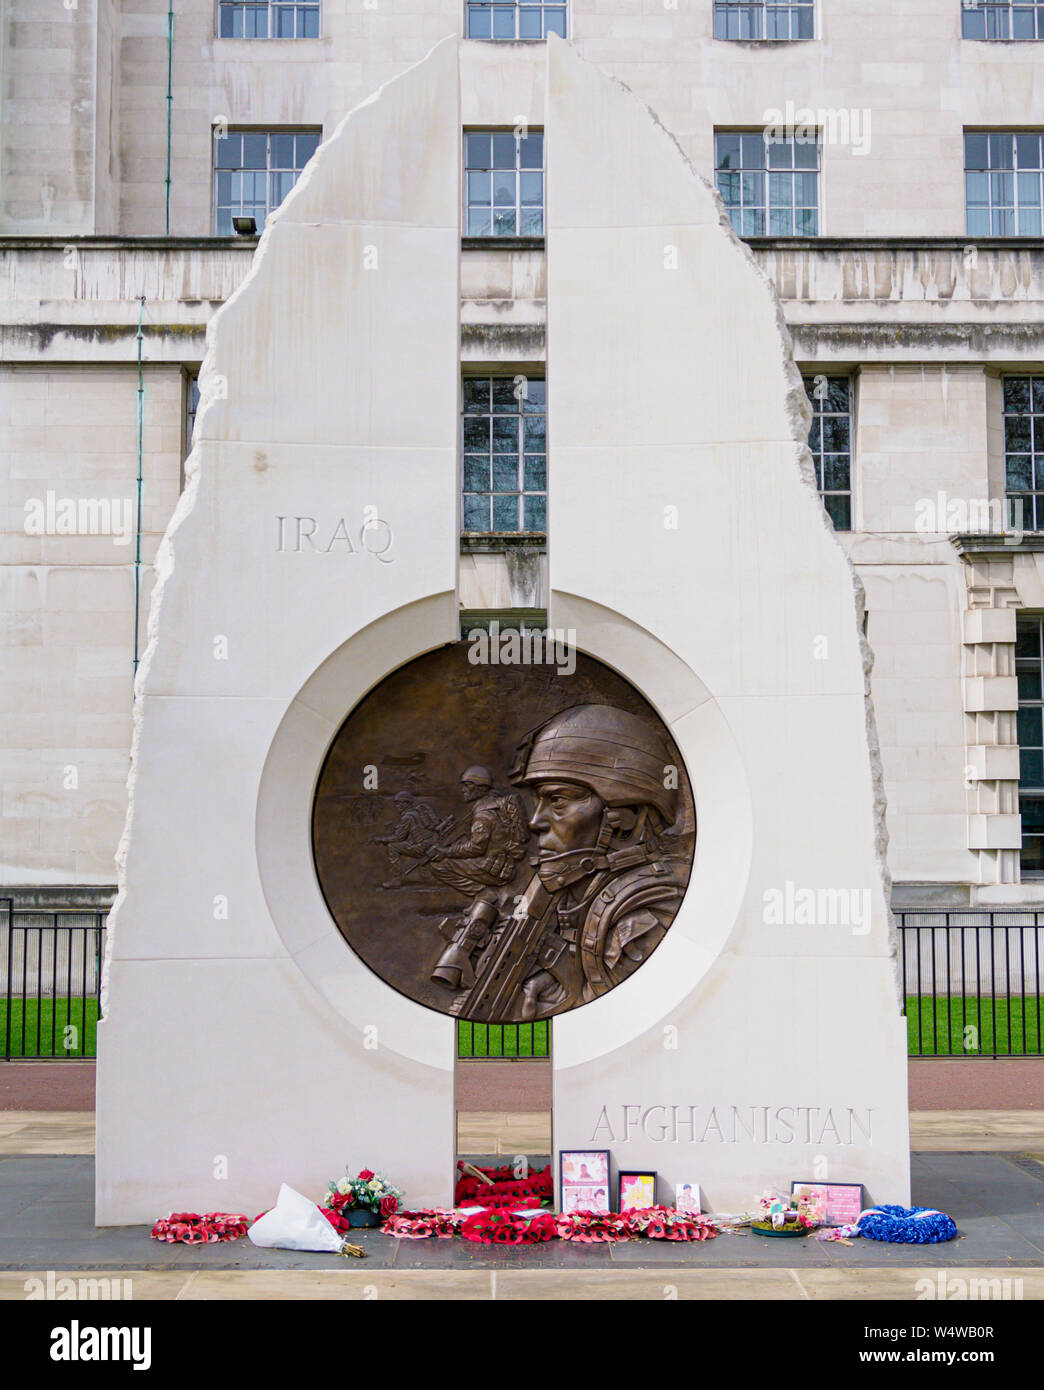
pixel 481 1042
pixel 972 982
pixel 50 981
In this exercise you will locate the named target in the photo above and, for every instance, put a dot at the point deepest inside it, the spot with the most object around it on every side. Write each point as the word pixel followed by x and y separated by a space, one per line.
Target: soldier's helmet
pixel 481 776
pixel 616 754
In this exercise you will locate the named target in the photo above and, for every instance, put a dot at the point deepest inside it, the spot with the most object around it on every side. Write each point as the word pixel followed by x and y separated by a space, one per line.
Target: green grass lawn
pixel 502 1039
pixel 942 1023
pixel 33 1020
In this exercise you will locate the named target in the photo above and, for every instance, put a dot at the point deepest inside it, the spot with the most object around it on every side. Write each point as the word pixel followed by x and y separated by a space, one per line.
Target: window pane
pixel 839 510
pixel 503 151
pixel 1002 151
pixel 228 151
pixel 505 434
pixel 535 398
pixel 529 22
pixel 1016 393
pixel 305 146
pixel 282 151
pixel 976 151
pixel 476 394
pixel 479 187
pixel 1027 149
pixel 505 473
pixel 505 513
pixel 477 149
pixel 476 513
pixel 505 400
pixel 753 222
pixel 531 188
pixel 476 473
pixel 480 22
pixel 728 151
pixel 504 224
pixel 535 513
pixel 535 475
pixel 476 432
pixel 531 152
pixel 503 22
pixel 555 22
pixel 753 149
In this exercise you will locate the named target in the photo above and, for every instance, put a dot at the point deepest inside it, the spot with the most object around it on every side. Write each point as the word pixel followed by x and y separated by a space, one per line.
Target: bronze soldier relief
pixel 528 901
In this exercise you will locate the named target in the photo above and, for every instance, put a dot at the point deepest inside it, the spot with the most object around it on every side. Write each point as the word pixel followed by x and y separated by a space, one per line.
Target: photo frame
pixel 838 1204
pixel 583 1180
pixel 687 1198
pixel 635 1190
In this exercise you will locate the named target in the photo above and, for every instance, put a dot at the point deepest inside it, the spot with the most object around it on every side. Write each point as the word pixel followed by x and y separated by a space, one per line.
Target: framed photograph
pixel 687 1198
pixel 636 1190
pixel 583 1179
pixel 831 1203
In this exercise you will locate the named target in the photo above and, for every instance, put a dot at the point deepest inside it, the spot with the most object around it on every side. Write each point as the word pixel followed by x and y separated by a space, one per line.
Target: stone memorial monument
pixel 344 835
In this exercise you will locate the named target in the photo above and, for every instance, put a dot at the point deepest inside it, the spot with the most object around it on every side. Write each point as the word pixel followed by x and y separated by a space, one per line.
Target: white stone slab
pixel 257 1042
pixel 682 504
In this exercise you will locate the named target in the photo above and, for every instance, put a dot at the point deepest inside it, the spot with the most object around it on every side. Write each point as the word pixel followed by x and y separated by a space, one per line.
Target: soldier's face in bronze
pixel 568 816
pixel 470 791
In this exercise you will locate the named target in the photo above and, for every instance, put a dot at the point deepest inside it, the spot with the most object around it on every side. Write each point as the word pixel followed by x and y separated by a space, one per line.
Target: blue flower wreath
pixel 907 1225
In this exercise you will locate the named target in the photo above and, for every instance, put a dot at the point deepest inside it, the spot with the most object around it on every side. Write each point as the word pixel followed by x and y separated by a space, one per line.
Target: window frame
pixel 1024 665
pixel 986 8
pixel 726 10
pixel 492 133
pixel 269 37
pixel 820 454
pixel 766 171
pixel 1017 172
pixel 521 454
pixel 268 132
pixel 1032 518
pixel 516 6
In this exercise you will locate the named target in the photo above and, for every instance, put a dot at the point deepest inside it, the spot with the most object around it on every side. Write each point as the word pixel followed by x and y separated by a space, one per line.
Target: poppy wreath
pixel 189 1228
pixel 473 1191
pixel 419 1225
pixel 664 1223
pixel 592 1227
pixel 504 1226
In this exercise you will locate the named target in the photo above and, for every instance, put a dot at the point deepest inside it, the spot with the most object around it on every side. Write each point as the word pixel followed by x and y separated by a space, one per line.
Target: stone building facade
pixel 896 207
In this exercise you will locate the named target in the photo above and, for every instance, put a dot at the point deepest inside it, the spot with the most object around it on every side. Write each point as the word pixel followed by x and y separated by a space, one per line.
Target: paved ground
pixel 996 1198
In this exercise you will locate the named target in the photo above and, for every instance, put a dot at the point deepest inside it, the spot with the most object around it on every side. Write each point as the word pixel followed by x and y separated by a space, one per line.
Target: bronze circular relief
pixel 503 841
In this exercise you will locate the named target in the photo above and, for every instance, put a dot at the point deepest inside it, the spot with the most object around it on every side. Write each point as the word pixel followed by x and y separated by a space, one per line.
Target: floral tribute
pixel 189 1228
pixel 507 1226
pixel 419 1225
pixel 664 1223
pixel 503 1187
pixel 592 1227
pixel 369 1191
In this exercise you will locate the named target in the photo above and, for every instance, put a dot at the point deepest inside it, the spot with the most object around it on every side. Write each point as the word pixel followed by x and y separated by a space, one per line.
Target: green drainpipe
pixel 137 526
pixel 170 96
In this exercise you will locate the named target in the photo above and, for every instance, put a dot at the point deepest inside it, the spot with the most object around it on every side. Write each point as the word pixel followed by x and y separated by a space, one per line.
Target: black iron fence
pixel 972 982
pixel 50 981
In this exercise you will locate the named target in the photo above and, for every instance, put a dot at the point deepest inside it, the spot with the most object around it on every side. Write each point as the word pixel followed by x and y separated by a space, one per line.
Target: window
pixel 830 443
pixel 254 170
pixel 1029 668
pixel 1002 183
pixel 505 183
pixel 505 454
pixel 1024 450
pixel 268 19
pixel 756 19
pixel 770 186
pixel 1003 19
pixel 522 20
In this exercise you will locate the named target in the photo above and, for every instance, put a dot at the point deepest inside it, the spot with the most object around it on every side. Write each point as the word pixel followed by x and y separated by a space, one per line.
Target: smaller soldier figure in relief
pixel 411 837
pixel 487 854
